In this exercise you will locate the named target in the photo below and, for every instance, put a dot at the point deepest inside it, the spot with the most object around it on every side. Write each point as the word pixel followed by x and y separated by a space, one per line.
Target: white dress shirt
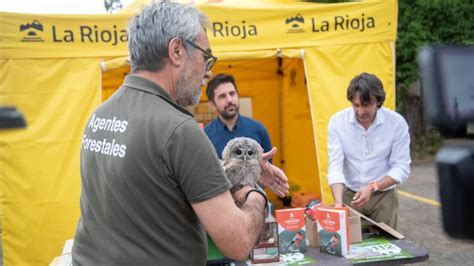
pixel 358 156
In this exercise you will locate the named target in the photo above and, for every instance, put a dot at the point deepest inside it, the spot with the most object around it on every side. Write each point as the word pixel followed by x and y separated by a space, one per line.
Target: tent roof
pixel 234 28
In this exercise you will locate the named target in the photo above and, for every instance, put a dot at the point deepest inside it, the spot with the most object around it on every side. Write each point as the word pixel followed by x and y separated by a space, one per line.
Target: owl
pixel 241 160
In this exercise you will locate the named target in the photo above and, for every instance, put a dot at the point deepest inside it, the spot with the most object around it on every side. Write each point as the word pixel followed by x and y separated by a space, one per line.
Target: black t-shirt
pixel 144 160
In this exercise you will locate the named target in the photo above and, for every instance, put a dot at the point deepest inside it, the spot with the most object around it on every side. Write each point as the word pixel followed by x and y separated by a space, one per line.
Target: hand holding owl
pixel 273 177
pixel 241 161
pixel 246 164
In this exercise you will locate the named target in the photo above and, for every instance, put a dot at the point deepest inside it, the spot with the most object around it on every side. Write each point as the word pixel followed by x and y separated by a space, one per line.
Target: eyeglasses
pixel 208 57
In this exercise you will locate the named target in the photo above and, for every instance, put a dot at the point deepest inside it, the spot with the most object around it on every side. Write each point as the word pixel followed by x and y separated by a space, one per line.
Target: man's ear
pixel 176 51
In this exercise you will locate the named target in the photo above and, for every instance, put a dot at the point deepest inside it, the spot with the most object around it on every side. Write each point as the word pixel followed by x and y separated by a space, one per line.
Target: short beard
pixel 184 92
pixel 226 116
pixel 185 99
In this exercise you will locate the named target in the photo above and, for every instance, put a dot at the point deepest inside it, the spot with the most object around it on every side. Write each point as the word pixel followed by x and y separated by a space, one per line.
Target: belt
pixel 375 193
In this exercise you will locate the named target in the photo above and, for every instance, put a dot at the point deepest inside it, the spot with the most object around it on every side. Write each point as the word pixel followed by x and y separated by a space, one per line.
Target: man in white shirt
pixel 369 152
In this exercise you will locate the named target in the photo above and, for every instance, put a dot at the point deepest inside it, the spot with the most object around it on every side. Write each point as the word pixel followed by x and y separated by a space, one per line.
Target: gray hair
pixel 150 32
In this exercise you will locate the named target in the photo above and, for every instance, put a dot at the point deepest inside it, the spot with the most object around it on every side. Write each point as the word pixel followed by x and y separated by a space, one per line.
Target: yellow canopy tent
pixel 293 61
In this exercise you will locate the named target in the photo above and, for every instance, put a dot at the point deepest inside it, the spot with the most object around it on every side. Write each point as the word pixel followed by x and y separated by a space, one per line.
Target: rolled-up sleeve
pixel 335 155
pixel 400 155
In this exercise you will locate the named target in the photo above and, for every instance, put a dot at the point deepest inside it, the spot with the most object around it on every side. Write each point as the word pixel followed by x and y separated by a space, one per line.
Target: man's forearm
pixel 254 208
pixel 386 182
pixel 246 228
pixel 337 189
pixel 234 230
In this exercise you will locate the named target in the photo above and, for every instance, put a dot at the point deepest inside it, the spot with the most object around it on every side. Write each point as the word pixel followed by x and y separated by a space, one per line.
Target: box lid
pixel 381 225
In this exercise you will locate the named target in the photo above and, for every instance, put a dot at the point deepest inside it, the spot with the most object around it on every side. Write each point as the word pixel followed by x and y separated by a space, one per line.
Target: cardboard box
pixel 333 230
pixel 312 233
pixel 291 230
pixel 355 229
pixel 355 226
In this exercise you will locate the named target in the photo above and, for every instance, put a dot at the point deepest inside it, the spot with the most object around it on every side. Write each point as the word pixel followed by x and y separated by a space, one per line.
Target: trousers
pixel 382 206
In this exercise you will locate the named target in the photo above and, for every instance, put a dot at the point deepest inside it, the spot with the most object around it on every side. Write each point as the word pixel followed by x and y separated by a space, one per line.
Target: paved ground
pixel 422 224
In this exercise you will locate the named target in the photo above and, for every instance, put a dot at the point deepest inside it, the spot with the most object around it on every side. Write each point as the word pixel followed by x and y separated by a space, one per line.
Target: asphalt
pixel 421 221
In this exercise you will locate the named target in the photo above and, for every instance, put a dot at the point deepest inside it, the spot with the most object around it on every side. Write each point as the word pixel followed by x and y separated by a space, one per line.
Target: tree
pixel 420 23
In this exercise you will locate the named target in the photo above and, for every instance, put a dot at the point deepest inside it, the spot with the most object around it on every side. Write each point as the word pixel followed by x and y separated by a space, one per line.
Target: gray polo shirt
pixel 143 161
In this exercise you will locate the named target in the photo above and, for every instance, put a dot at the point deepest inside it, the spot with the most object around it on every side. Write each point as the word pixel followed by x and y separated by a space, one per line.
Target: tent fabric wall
pixel 54 78
pixel 329 70
pixel 39 165
pixel 112 79
pixel 298 147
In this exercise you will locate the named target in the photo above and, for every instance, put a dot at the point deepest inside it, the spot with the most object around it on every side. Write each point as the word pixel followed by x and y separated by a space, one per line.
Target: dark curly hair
pixel 366 85
pixel 216 81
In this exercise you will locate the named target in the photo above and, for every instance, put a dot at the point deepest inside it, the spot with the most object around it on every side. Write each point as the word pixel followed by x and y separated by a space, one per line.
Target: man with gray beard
pixel 153 187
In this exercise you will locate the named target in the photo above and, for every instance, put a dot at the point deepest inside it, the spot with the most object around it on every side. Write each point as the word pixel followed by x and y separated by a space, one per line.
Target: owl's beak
pixel 245 157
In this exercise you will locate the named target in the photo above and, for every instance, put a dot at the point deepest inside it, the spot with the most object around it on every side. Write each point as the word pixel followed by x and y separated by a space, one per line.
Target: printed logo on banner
pixel 32 30
pixel 295 24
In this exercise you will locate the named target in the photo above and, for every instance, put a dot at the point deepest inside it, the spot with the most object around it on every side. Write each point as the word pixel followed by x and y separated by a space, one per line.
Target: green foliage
pixel 426 146
pixel 422 22
pixel 429 22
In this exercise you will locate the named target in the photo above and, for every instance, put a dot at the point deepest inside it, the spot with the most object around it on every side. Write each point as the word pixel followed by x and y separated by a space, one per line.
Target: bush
pixel 429 22
pixel 420 23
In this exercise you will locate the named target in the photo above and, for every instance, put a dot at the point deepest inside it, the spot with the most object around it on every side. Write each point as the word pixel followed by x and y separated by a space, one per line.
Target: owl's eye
pixel 238 152
pixel 250 153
